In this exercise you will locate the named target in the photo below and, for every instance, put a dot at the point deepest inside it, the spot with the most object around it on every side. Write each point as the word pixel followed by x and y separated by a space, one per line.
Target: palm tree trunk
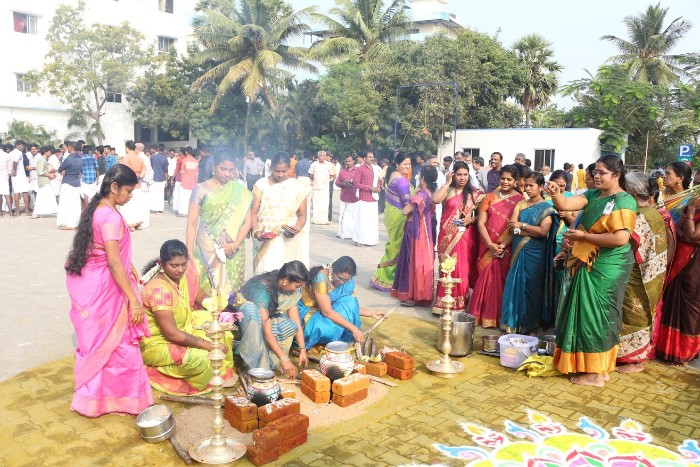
pixel 528 113
pixel 247 125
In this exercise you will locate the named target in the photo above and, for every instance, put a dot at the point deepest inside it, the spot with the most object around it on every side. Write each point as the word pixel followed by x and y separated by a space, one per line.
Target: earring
pixel 285 282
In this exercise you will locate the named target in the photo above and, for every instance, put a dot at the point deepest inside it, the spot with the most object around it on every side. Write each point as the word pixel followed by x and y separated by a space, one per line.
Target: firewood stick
pixel 187 400
pixel 180 452
pixel 382 381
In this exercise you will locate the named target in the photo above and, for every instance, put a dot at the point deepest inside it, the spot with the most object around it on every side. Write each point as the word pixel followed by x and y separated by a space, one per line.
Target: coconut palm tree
pixel 246 41
pixel 646 53
pixel 539 81
pixel 363 29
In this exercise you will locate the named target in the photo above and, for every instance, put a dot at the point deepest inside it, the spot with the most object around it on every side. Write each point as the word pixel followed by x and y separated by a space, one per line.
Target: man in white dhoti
pixel 45 204
pixel 320 174
pixel 133 210
pixel 348 198
pixel 159 164
pixel 368 184
pixel 145 205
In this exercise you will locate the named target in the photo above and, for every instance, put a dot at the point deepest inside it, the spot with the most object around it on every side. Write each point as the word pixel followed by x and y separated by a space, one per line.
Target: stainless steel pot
pixel 461 335
pixel 156 423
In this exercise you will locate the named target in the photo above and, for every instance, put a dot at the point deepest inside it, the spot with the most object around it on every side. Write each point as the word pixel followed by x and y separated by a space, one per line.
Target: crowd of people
pixel 591 255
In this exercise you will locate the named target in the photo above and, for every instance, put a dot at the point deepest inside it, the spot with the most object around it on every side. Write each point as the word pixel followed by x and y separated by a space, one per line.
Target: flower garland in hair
pixel 150 274
pixel 329 267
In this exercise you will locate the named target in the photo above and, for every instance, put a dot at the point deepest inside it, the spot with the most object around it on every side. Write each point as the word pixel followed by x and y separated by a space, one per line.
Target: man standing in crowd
pixel 320 173
pixel 493 176
pixel 132 211
pixel 520 158
pixel 384 164
pixel 334 173
pixel 348 198
pixel 568 168
pixel 546 172
pixel 418 169
pixel 479 180
pixel 170 183
pixel 366 231
pixel 580 179
pixel 459 156
pixel 19 179
pixel 446 165
pixel 89 183
pixel 159 163
pixel 252 169
pixel 301 169
pixel 32 157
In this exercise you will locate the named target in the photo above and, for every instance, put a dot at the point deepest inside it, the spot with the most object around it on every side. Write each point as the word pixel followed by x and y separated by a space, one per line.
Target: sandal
pixel 408 303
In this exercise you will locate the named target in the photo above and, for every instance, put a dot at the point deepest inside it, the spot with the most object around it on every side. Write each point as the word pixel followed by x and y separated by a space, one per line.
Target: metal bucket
pixel 490 343
pixel 547 344
pixel 156 423
pixel 461 335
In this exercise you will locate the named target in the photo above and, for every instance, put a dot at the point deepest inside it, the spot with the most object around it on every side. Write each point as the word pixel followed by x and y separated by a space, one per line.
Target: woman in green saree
pixel 217 224
pixel 590 309
pixel 176 352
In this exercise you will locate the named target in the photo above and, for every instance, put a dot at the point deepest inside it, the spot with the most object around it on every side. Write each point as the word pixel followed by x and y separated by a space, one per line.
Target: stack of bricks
pixel 350 390
pixel 375 368
pixel 278 437
pixel 275 410
pixel 241 414
pixel 316 386
pixel 399 365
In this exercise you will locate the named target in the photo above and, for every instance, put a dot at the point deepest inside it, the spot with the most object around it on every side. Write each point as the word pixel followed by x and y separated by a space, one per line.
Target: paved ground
pixel 400 429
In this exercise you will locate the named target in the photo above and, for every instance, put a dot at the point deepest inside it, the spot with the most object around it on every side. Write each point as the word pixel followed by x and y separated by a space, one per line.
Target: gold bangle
pixel 556 195
pixel 135 307
pixel 285 359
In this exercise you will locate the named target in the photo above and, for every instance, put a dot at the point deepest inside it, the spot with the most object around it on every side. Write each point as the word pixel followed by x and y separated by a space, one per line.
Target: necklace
pixel 109 204
pixel 502 195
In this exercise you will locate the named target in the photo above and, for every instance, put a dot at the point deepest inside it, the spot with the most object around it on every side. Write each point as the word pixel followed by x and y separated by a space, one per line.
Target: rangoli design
pixel 546 443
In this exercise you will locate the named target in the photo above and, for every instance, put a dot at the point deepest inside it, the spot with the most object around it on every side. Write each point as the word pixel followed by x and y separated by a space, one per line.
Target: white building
pixel 429 17
pixel 23 31
pixel 543 146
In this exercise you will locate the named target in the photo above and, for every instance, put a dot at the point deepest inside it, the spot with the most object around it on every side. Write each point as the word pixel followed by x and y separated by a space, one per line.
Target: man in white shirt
pixel 546 172
pixel 145 187
pixel 441 180
pixel 479 180
pixel 20 181
pixel 320 174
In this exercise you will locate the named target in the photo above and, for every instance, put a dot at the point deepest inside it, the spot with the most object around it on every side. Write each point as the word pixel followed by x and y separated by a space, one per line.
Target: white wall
pixel 25 52
pixel 573 145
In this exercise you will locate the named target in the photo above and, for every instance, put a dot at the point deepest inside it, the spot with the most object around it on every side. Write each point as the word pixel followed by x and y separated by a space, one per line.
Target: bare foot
pixel 630 368
pixel 606 376
pixel 588 379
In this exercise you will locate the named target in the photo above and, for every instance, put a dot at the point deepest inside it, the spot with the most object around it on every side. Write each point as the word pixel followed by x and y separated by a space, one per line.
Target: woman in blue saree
pixel 528 296
pixel 328 308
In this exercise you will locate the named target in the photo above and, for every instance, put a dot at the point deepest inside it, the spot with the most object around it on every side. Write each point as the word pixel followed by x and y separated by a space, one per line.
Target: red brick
pixel 259 457
pixel 360 369
pixel 399 360
pixel 350 384
pixel 278 409
pixel 288 394
pixel 350 399
pixel 315 380
pixel 375 368
pixel 267 438
pixel 291 425
pixel 316 397
pixel 399 374
pixel 293 442
pixel 247 426
pixel 241 408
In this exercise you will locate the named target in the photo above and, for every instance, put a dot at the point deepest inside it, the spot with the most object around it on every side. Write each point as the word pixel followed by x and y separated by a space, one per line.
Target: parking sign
pixel 685 153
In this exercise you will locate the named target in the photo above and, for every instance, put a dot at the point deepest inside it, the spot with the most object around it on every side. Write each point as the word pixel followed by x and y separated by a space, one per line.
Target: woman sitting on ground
pixel 328 308
pixel 176 354
pixel 271 318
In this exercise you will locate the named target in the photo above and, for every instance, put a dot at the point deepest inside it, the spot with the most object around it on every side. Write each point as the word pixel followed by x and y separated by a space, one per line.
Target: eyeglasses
pixel 600 173
pixel 342 280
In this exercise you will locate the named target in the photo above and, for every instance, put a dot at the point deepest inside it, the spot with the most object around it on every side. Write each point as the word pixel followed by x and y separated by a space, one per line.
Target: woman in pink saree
pixel 106 310
pixel 458 234
pixel 494 250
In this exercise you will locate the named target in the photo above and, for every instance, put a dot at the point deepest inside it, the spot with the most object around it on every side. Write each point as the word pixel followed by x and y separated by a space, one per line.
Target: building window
pixel 166 5
pixel 115 97
pixel 473 151
pixel 544 157
pixel 165 43
pixel 24 86
pixel 24 23
pixel 415 31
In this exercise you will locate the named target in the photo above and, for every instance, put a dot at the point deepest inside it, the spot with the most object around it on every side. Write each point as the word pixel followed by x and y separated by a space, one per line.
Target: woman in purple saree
pixel 106 310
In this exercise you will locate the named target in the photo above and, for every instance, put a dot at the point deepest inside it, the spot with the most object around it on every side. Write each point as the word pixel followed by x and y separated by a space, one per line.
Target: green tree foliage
pixel 361 29
pixel 247 42
pixel 550 116
pixel 634 114
pixel 539 80
pixel 88 63
pixel 646 54
pixel 27 132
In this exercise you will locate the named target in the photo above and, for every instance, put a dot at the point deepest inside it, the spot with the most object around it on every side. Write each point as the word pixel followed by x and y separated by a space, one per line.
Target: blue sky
pixel 574 28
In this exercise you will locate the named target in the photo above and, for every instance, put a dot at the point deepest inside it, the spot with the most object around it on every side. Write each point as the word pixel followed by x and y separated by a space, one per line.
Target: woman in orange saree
pixel 494 249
